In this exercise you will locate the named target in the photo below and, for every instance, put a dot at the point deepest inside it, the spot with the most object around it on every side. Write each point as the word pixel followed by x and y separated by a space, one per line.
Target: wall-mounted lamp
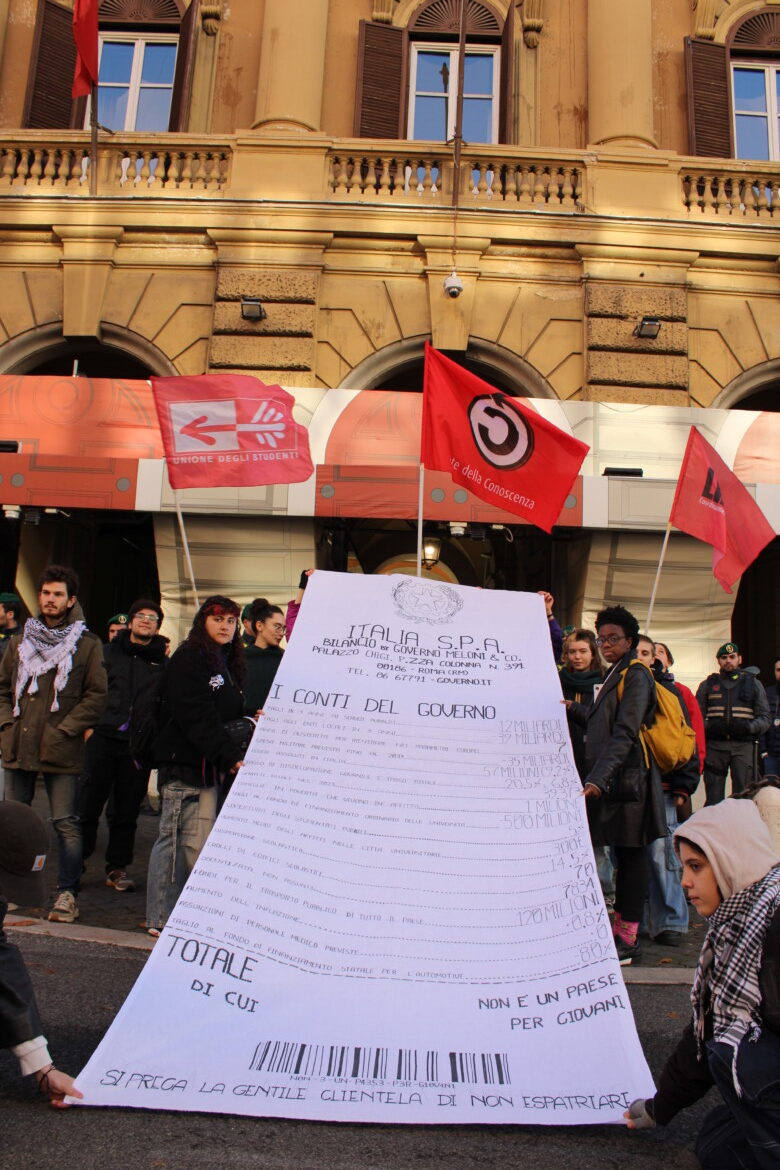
pixel 431 551
pixel 648 327
pixel 12 511
pixel 252 310
pixel 457 528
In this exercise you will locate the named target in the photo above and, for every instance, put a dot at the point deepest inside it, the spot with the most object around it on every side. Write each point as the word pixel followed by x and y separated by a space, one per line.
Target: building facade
pixel 615 163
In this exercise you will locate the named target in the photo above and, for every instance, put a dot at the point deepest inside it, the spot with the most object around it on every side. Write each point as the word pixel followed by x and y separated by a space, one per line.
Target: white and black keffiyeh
pixel 726 982
pixel 41 650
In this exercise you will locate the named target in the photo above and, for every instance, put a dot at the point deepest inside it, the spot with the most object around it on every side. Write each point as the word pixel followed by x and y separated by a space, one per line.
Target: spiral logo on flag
pixel 503 437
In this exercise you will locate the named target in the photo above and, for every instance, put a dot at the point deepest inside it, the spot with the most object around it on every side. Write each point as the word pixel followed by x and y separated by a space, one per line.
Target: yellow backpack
pixel 670 738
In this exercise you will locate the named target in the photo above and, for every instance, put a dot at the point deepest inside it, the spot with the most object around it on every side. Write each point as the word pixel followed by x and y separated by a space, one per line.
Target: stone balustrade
pixel 746 191
pixel 485 178
pixel 58 164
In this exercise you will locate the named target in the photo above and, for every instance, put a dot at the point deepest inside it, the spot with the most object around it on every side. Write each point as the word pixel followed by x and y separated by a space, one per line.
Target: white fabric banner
pixel 397 917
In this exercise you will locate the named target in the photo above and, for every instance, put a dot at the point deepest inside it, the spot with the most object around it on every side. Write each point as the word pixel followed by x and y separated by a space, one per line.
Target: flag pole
pixel 420 494
pixel 657 576
pixel 93 127
pixel 186 546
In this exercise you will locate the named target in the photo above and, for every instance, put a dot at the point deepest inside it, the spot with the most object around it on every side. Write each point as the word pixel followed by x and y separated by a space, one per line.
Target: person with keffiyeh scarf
pixel 731 873
pixel 52 693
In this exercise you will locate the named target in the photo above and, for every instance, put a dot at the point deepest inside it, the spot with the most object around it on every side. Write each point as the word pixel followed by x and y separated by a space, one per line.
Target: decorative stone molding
pixel 383 11
pixel 533 22
pixel 131 11
pixel 706 17
pixel 210 17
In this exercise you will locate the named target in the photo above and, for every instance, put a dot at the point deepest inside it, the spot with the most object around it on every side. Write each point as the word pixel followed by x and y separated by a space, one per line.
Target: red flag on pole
pixel 85 34
pixel 229 430
pixel 711 504
pixel 491 444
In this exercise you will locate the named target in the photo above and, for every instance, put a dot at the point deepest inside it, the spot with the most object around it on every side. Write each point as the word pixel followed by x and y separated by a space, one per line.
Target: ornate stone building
pixel 617 162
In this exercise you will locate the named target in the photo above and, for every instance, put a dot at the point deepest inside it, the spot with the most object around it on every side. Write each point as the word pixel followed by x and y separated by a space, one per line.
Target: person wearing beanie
pixel 10 610
pixel 24 842
pixel 736 713
pixel 731 874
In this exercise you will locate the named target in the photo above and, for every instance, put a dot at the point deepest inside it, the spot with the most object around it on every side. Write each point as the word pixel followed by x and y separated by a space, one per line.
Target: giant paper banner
pixel 397 917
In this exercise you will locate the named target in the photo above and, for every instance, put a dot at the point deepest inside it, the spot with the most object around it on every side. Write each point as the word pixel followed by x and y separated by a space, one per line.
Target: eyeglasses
pixel 278 628
pixel 612 640
pixel 146 617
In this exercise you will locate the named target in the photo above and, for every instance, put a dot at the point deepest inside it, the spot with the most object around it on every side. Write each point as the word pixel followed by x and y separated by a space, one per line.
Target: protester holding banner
pixel 624 781
pixel 732 876
pixel 264 655
pixel 24 843
pixel 194 751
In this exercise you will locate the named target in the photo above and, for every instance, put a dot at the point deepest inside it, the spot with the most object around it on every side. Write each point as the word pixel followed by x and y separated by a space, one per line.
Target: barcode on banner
pixel 400 1064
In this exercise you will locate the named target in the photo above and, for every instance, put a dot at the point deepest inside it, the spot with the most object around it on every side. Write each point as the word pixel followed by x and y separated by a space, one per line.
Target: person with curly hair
pixel 193 751
pixel 621 778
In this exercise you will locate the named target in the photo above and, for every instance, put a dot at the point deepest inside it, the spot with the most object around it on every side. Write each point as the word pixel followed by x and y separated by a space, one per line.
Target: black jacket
pixel 129 666
pixel 734 706
pixel 261 668
pixel 770 740
pixel 19 1019
pixel 197 702
pixel 686 1077
pixel 630 809
pixel 577 686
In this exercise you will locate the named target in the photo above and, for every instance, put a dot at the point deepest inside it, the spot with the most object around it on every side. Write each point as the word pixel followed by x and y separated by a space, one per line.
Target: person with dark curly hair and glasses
pixel 621 779
pixel 194 751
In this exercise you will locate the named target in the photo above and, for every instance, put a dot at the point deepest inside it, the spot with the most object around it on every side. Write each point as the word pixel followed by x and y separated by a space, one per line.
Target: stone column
pixel 620 73
pixel 292 65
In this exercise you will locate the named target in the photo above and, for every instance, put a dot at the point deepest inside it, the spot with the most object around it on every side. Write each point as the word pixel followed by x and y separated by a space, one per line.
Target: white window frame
pixel 770 71
pixel 139 40
pixel 493 51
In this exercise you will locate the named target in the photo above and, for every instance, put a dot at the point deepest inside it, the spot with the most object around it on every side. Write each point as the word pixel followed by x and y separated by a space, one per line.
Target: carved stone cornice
pixel 705 18
pixel 533 22
pixel 210 17
pixel 383 11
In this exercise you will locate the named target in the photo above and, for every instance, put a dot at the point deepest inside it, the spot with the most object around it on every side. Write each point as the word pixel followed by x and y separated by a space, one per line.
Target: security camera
pixel 453 285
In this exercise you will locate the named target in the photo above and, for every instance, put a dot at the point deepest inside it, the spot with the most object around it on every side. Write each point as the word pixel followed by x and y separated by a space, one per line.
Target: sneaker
pixel 65 908
pixel 118 879
pixel 627 954
pixel 668 938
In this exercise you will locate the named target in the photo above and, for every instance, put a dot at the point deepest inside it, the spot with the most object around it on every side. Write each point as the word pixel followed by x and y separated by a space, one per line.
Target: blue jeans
pixel 771 765
pixel 666 905
pixel 62 790
pixel 744 1134
pixel 187 817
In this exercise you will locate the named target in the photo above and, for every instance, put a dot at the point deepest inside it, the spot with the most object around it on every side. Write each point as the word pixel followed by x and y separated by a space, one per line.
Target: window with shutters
pixel 734 90
pixel 147 54
pixel 408 77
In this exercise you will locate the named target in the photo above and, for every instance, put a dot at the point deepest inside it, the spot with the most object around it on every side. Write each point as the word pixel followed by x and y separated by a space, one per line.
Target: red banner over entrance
pixel 229 430
pixel 491 444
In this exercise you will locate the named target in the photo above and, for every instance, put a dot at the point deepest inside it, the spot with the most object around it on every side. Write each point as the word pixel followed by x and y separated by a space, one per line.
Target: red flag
pixel 229 430
pixel 711 504
pixel 491 444
pixel 85 34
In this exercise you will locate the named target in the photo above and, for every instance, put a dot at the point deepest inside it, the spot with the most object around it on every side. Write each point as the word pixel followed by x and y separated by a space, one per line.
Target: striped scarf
pixel 41 650
pixel 726 980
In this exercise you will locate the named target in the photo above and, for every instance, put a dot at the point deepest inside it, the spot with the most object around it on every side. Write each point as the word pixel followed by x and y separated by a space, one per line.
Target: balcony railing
pixel 59 165
pixel 510 177
pixel 493 178
pixel 743 191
